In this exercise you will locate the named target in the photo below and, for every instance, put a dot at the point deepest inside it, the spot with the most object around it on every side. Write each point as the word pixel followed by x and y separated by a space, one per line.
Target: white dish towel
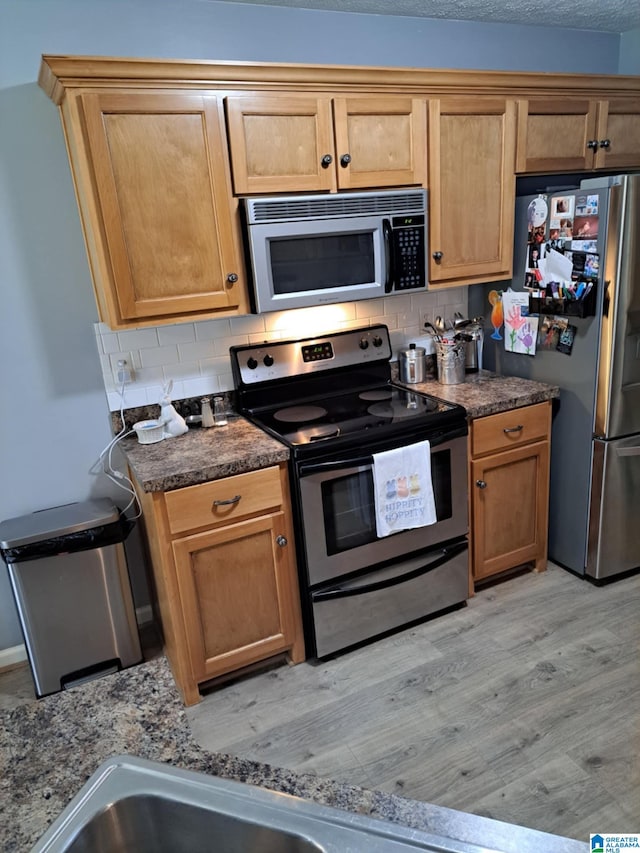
pixel 403 488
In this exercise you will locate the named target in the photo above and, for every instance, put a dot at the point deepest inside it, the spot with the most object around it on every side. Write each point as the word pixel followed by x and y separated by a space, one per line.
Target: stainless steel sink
pixel 131 804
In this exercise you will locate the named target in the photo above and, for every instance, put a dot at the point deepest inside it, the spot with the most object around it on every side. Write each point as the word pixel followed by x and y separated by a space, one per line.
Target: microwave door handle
pixel 388 256
pixel 446 554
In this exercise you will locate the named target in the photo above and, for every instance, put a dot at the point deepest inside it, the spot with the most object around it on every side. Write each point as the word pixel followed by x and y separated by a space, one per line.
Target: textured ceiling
pixel 611 16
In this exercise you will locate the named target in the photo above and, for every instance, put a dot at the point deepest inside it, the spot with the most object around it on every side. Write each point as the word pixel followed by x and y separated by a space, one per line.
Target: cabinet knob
pixel 233 500
pixel 345 160
pixel 326 161
pixel 232 278
pixel 281 541
pixel 481 484
pixel 437 256
pixel 605 143
pixel 592 144
pixel 518 428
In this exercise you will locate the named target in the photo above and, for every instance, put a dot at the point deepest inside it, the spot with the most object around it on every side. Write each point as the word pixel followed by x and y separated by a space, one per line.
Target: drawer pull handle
pixel 481 484
pixel 281 540
pixel 233 500
pixel 518 428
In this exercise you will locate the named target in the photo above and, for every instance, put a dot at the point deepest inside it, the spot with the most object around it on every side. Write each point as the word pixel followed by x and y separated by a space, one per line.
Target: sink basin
pixel 150 824
pixel 131 804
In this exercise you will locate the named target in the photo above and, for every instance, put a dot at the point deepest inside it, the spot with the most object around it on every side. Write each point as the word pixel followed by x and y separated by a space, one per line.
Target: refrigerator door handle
pixel 606 299
pixel 628 451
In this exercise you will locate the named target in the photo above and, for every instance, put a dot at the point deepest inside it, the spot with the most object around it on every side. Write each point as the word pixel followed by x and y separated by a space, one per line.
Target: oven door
pixel 338 513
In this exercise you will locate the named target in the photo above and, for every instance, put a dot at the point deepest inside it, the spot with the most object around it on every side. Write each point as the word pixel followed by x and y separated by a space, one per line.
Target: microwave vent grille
pixel 330 206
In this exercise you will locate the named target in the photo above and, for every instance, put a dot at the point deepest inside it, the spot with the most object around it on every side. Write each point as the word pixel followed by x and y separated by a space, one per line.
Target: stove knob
pixel 267 360
pixel 252 363
pixel 377 341
pixel 364 343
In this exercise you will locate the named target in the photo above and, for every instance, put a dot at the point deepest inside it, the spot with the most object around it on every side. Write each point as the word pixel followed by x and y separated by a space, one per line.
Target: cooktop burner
pixel 300 414
pixel 376 394
pixel 348 413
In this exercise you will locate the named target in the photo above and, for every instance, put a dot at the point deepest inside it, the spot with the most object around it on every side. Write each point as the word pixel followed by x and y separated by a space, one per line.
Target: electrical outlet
pixel 125 372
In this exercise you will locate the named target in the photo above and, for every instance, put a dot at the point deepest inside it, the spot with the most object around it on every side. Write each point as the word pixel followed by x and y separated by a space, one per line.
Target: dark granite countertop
pixel 209 454
pixel 202 455
pixel 485 393
pixel 50 747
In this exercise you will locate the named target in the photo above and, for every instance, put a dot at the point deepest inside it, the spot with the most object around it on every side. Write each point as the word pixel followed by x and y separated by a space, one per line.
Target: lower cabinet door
pixel 236 587
pixel 510 498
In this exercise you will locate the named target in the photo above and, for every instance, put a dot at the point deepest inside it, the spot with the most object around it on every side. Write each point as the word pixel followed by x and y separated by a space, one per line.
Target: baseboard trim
pixel 12 656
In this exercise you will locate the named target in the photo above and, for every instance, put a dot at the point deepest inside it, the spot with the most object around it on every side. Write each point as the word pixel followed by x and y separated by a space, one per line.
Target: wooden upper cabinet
pixel 577 134
pixel 292 143
pixel 618 134
pixel 155 197
pixel 471 189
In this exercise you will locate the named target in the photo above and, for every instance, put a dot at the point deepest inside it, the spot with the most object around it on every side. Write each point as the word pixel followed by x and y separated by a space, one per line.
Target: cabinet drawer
pixel 247 494
pixel 510 429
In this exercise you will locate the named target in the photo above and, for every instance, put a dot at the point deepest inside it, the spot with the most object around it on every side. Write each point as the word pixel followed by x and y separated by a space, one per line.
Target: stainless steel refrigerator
pixel 594 515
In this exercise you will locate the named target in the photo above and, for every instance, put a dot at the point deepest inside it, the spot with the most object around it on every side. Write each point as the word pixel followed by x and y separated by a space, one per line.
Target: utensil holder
pixel 451 363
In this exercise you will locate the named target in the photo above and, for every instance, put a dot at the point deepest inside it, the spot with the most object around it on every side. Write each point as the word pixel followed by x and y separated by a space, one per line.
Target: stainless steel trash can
pixel 69 576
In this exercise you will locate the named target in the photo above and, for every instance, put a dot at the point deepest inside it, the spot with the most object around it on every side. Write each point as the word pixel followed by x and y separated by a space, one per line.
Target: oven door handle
pixel 335 465
pixel 446 554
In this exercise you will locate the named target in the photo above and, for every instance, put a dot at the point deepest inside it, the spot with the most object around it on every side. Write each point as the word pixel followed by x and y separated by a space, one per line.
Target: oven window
pixel 319 262
pixel 349 511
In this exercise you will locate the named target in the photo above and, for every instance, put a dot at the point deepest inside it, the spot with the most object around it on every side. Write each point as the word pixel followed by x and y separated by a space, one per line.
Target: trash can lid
pixel 56 522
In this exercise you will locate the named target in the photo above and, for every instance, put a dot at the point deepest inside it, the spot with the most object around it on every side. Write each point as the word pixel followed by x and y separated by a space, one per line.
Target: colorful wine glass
pixel 497 313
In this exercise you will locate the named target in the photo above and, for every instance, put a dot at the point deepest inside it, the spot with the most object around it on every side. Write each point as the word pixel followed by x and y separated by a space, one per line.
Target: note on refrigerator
pixel 520 329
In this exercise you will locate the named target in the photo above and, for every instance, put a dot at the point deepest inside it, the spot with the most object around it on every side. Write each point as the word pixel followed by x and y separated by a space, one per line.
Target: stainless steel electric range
pixel 331 400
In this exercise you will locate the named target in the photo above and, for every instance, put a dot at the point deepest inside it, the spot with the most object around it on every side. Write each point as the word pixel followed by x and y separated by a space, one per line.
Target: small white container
pixel 149 432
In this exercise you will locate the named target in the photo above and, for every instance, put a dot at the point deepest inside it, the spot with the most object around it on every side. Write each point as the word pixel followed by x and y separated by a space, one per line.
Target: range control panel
pixel 273 360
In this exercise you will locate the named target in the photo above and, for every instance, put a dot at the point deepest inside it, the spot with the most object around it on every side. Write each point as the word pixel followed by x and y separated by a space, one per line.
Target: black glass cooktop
pixel 348 413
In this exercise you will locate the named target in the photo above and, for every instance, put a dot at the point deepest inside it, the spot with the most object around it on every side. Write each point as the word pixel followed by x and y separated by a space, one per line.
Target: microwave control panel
pixel 409 252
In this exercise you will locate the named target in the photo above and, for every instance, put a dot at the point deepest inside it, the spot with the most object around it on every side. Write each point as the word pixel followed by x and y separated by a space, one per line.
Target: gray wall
pixel 54 415
pixel 630 53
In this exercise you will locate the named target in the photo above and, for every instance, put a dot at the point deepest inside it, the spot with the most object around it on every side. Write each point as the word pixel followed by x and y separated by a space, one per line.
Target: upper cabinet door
pixel 574 135
pixel 618 134
pixel 472 189
pixel 159 216
pixel 556 135
pixel 281 144
pixel 380 142
pixel 293 143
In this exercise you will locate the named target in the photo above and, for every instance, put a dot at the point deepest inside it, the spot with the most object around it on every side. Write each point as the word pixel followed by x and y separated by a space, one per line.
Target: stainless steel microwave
pixel 320 249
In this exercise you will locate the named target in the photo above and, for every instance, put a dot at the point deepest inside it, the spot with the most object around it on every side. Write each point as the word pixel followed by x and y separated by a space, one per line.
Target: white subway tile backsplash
pixel 369 307
pixel 253 323
pixel 221 345
pixel 196 355
pixel 178 334
pixel 110 342
pixel 183 370
pixel 196 350
pixel 138 338
pixel 159 356
pixel 208 330
pixel 215 366
pixel 149 375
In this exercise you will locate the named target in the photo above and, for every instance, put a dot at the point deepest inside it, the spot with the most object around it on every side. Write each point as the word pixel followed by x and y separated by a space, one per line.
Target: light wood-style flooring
pixel 523 706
